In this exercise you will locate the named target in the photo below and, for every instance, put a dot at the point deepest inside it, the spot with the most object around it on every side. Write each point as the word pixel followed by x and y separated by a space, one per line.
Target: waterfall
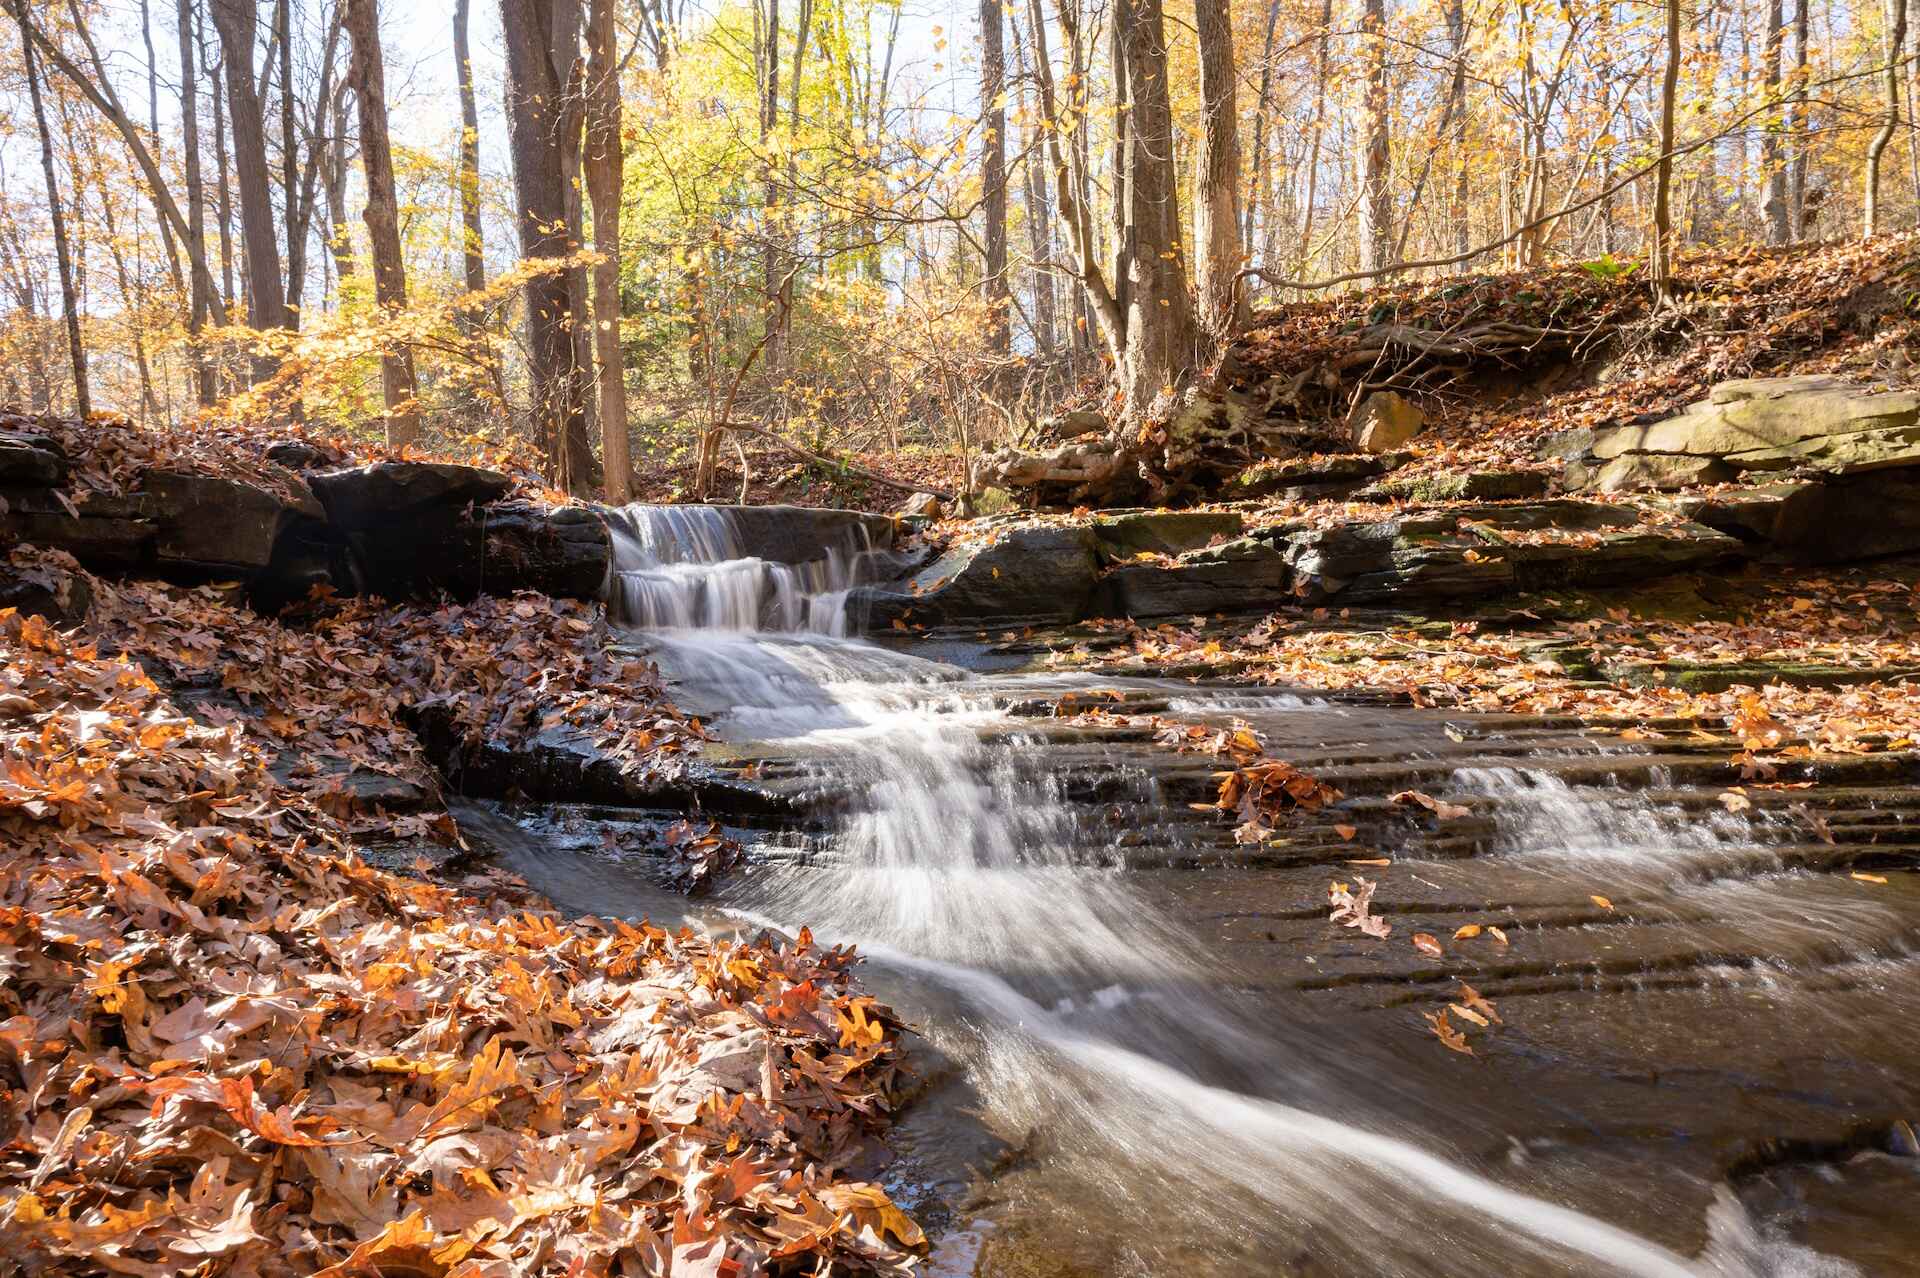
pixel 1071 993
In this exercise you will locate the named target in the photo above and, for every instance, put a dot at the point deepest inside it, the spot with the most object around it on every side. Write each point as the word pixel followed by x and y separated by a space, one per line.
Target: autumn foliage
pixel 227 1045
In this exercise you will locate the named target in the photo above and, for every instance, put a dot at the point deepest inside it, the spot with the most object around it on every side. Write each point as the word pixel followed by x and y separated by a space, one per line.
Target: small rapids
pixel 1175 1121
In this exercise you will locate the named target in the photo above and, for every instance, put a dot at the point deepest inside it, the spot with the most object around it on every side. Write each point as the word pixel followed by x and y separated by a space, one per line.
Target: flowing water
pixel 1162 1104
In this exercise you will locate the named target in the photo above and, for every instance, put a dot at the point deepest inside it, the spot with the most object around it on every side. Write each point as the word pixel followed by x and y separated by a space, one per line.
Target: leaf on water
pixel 1497 934
pixel 1351 908
pixel 1868 878
pixel 1346 832
pixel 1449 1036
pixel 1473 999
pixel 1426 943
pixel 1466 933
pixel 1601 901
pixel 1371 860
pixel 1468 1014
pixel 1440 808
pixel 1735 800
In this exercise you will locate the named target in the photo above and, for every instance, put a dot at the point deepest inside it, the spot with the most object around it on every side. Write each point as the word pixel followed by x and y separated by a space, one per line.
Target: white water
pixel 1074 1001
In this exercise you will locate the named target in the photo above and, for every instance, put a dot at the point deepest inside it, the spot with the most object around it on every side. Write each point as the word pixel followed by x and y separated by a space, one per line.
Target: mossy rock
pixel 1719 676
pixel 1474 485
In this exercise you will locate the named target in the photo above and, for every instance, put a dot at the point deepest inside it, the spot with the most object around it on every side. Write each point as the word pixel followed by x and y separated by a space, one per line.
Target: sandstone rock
pixel 802 534
pixel 31 460
pixel 1822 521
pixel 1245 575
pixel 921 506
pixel 1384 421
pixel 1758 418
pixel 1472 485
pixel 386 493
pixel 1656 470
pixel 1124 534
pixel 105 533
pixel 993 501
pixel 1332 475
pixel 1029 573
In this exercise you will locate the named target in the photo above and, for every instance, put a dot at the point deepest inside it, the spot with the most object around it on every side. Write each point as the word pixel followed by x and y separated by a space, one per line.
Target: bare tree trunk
pixel 993 173
pixel 153 126
pixel 1773 206
pixel 770 253
pixel 1660 264
pixel 472 244
pixel 1216 211
pixel 1161 330
pixel 382 214
pixel 290 168
pixel 1802 121
pixel 543 119
pixel 200 298
pixel 334 175
pixel 1259 192
pixel 1321 59
pixel 604 184
pixel 223 189
pixel 68 302
pixel 1039 219
pixel 266 303
pixel 1376 199
pixel 1457 96
pixel 1896 45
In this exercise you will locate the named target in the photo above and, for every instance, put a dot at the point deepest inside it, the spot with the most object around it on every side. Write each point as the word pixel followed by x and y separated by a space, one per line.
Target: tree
pixel 543 129
pixel 1161 346
pixel 1773 167
pixel 382 215
pixel 200 303
pixel 69 304
pixel 1376 200
pixel 1216 210
pixel 993 173
pixel 604 181
pixel 266 302
pixel 1896 50
pixel 1660 257
pixel 473 244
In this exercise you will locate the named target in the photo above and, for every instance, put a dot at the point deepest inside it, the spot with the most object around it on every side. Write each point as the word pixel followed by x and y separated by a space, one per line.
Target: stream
pixel 1163 1061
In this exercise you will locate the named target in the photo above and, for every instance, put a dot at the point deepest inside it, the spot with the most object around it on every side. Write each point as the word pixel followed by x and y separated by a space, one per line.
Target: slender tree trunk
pixel 1216 201
pixel 1661 259
pixel 1802 120
pixel 266 303
pixel 1773 205
pixel 69 303
pixel 604 184
pixel 1376 198
pixel 543 122
pixel 1896 45
pixel 1039 219
pixel 1321 60
pixel 223 192
pixel 200 303
pixel 772 356
pixel 1457 95
pixel 993 173
pixel 382 215
pixel 290 168
pixel 1161 329
pixel 1123 231
pixel 472 244
pixel 334 175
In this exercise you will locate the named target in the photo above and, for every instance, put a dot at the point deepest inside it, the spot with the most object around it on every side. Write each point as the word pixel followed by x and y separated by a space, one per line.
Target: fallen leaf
pixel 1427 944
pixel 1466 933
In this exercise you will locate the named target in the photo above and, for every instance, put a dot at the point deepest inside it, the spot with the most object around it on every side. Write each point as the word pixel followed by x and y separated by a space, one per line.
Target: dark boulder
pixel 300 454
pixel 1023 573
pixel 105 533
pixel 45 590
pixel 223 526
pixel 30 460
pixel 384 494
pixel 1245 575
pixel 564 552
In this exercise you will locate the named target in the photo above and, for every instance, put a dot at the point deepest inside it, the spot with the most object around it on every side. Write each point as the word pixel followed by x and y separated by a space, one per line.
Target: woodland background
pixel 853 232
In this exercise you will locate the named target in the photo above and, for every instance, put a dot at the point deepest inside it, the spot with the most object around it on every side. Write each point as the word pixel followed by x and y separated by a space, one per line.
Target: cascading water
pixel 1076 1002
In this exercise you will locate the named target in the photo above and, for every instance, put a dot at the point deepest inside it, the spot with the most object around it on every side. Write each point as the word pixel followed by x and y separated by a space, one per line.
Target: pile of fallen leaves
pixel 226 1046
pixel 326 690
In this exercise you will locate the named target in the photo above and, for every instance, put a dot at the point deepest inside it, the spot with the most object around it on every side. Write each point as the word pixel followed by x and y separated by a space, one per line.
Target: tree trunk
pixel 1660 260
pixel 472 244
pixel 266 303
pixel 1322 58
pixel 1802 120
pixel 1259 192
pixel 1216 211
pixel 543 128
pixel 200 303
pixel 604 185
pixel 1039 218
pixel 993 174
pixel 69 304
pixel 1457 95
pixel 1376 198
pixel 1161 331
pixel 1773 204
pixel 1896 45
pixel 382 215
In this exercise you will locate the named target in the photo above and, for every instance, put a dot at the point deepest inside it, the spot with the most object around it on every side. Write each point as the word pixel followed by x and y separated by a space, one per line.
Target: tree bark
pixel 604 185
pixel 1773 203
pixel 543 128
pixel 1216 212
pixel 1457 96
pixel 1896 45
pixel 1802 122
pixel 266 302
pixel 1660 260
pixel 200 300
pixel 1039 217
pixel 69 303
pixel 993 174
pixel 1376 199
pixel 382 215
pixel 1161 331
pixel 473 245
